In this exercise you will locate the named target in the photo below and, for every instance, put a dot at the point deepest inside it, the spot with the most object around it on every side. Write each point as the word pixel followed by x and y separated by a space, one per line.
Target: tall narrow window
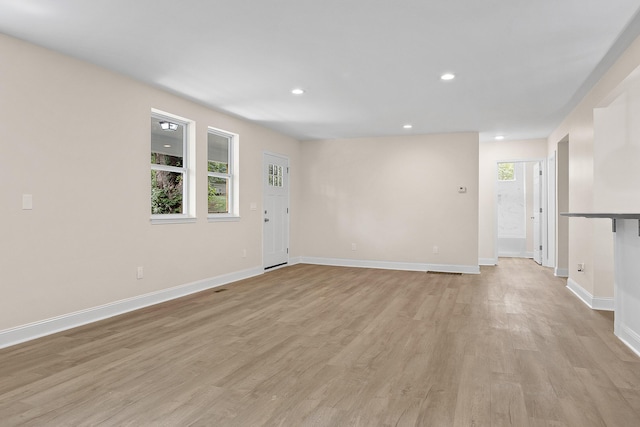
pixel 222 174
pixel 170 188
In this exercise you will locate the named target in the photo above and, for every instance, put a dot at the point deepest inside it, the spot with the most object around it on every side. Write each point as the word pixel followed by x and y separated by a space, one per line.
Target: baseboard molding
pixel 630 338
pixel 515 254
pixel 23 333
pixel 561 272
pixel 592 302
pixel 294 260
pixel 389 265
pixel 488 261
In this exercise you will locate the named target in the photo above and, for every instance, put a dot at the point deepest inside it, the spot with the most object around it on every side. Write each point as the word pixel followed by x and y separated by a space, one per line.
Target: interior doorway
pixel 519 210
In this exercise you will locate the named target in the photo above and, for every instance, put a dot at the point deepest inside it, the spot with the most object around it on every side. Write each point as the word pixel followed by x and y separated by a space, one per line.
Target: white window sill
pixel 223 218
pixel 173 220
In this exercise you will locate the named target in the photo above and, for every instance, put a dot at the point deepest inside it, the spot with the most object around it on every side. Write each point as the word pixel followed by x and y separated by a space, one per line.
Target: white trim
pixel 561 272
pixel 295 260
pixel 630 338
pixel 19 334
pixel 515 254
pixel 222 218
pixel 173 220
pixel 389 265
pixel 488 261
pixel 592 302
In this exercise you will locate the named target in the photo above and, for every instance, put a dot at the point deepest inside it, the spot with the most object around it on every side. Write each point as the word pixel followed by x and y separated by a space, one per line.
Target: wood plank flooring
pixel 330 346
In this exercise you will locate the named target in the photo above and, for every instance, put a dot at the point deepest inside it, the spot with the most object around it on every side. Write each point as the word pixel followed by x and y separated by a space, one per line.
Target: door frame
pixel 543 202
pixel 264 184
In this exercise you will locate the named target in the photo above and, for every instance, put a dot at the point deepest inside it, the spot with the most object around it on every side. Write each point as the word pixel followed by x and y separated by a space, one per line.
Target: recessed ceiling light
pixel 499 137
pixel 448 76
pixel 407 126
pixel 167 145
pixel 297 91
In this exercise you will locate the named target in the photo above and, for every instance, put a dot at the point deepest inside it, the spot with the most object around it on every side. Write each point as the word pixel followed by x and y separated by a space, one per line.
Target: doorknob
pixel 266 220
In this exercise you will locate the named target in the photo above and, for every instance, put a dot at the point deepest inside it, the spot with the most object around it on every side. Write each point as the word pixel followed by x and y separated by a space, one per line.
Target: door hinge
pixel 540 172
pixel 540 247
pixel 288 250
pixel 540 210
pixel 287 210
pixel 287 169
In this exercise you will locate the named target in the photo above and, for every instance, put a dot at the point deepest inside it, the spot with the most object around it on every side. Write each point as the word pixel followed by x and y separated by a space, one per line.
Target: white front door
pixel 275 247
pixel 537 213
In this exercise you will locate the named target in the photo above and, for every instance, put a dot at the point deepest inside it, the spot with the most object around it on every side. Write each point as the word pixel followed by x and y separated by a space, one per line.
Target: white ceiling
pixel 367 66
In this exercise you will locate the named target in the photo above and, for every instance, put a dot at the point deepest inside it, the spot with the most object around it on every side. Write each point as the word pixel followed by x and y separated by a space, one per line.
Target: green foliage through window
pixel 506 172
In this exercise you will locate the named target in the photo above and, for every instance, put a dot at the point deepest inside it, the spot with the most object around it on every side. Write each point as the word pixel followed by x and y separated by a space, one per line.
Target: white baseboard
pixel 592 302
pixel 488 261
pixel 630 338
pixel 294 260
pixel 515 254
pixel 389 265
pixel 19 334
pixel 561 272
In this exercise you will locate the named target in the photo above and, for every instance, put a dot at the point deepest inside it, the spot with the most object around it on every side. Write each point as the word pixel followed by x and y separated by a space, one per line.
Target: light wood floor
pixel 328 346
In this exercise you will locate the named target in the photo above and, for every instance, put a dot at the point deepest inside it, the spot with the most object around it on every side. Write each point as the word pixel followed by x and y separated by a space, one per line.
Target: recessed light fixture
pixel 408 126
pixel 499 137
pixel 168 126
pixel 448 76
pixel 167 145
pixel 297 91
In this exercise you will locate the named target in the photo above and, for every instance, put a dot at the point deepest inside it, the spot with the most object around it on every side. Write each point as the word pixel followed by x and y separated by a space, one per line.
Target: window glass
pixel 506 172
pixel 221 173
pixel 276 174
pixel 168 166
pixel 166 192
pixel 218 195
pixel 218 153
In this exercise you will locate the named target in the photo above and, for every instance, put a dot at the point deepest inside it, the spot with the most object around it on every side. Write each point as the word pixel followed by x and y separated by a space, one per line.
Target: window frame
pixel 232 176
pixel 187 170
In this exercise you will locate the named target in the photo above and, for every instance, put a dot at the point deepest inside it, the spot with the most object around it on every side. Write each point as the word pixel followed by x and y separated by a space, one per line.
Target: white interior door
pixel 275 247
pixel 537 213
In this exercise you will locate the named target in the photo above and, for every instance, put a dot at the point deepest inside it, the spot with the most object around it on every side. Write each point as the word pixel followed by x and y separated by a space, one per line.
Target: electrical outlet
pixel 140 273
pixel 436 250
pixel 354 247
pixel 581 266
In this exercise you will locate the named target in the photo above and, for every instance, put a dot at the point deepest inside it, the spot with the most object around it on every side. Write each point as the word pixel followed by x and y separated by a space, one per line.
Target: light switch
pixel 27 202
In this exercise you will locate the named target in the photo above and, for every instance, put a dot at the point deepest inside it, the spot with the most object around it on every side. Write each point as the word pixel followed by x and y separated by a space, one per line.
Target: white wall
pixel 590 240
pixel 395 198
pixel 490 153
pixel 77 137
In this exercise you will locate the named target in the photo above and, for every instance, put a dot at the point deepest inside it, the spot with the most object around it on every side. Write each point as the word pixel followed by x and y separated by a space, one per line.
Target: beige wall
pixel 395 198
pixel 490 154
pixel 589 240
pixel 562 205
pixel 77 137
